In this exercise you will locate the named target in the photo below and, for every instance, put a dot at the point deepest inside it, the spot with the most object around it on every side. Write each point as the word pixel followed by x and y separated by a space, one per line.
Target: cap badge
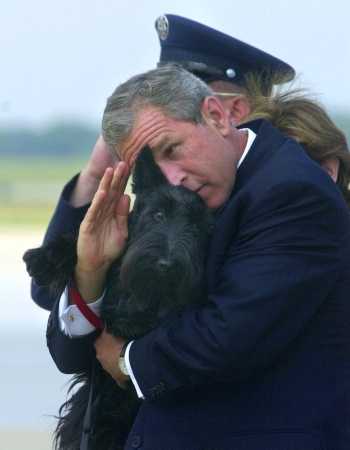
pixel 162 27
pixel 230 73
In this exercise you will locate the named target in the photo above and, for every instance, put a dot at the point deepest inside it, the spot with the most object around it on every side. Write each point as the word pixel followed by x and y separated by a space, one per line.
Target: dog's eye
pixel 159 216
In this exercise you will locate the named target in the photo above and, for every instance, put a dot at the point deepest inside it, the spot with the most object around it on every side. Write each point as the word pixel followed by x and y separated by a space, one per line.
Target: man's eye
pixel 159 216
pixel 171 151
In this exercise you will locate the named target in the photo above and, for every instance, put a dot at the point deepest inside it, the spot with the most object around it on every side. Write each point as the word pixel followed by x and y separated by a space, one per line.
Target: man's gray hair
pixel 172 89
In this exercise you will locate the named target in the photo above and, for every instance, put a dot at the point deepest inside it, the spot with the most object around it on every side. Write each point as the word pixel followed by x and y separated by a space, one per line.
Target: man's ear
pixel 238 108
pixel 331 166
pixel 215 115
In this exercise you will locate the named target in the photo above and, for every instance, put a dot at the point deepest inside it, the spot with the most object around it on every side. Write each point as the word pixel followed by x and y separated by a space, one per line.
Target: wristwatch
pixel 121 361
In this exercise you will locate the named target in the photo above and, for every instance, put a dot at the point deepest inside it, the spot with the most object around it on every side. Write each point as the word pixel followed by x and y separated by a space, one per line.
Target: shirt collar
pixel 251 138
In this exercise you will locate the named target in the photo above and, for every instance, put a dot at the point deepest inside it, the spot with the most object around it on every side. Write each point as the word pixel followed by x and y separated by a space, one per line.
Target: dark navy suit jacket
pixel 266 364
pixel 65 219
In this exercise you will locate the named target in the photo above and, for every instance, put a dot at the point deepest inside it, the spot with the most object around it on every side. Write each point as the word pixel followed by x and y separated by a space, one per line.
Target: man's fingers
pixel 99 197
pixel 94 209
pixel 123 206
pixel 120 178
pixel 122 213
pixel 117 187
pixel 106 179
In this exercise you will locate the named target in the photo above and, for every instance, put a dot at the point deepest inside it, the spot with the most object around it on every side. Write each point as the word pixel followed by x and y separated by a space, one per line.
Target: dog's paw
pixel 38 266
pixel 52 263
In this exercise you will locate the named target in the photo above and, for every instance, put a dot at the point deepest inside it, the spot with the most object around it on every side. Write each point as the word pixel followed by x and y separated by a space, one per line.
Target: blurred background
pixel 59 62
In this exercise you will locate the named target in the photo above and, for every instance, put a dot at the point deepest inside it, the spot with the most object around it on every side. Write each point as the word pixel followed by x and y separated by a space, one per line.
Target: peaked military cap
pixel 212 55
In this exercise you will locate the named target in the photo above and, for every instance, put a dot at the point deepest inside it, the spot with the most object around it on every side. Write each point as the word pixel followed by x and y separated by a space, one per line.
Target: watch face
pixel 122 366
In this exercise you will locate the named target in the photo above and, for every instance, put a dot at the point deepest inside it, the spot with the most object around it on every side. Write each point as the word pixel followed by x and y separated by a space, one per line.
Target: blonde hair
pixel 302 118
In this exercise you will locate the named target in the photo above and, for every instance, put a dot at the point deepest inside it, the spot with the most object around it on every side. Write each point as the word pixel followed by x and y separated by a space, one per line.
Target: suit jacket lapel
pixel 267 142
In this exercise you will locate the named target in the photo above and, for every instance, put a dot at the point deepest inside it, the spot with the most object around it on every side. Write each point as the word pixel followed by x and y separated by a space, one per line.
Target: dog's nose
pixel 163 265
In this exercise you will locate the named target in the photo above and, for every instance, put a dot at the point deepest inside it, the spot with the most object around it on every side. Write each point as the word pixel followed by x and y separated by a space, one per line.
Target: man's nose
pixel 172 173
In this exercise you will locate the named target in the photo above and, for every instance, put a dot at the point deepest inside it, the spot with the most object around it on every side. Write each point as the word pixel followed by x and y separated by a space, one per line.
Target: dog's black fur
pixel 160 273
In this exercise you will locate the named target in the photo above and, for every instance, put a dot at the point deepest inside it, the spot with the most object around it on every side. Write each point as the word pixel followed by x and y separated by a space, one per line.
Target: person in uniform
pixel 264 364
pixel 243 78
pixel 223 61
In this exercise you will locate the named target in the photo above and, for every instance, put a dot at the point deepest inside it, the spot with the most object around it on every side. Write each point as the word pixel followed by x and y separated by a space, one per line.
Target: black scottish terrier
pixel 160 273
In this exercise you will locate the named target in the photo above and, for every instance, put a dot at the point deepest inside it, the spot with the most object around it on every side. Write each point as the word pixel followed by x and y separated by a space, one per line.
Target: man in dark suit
pixel 218 59
pixel 265 364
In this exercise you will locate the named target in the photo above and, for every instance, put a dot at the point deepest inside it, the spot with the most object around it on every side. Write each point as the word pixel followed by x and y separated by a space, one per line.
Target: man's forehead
pixel 151 126
pixel 148 118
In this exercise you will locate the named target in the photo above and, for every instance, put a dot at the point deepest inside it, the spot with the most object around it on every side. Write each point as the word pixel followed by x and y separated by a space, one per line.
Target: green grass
pixel 38 169
pixel 29 190
pixel 21 178
pixel 25 216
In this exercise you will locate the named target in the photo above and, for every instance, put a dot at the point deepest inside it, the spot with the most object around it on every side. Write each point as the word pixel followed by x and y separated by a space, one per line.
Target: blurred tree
pixel 58 139
pixel 74 139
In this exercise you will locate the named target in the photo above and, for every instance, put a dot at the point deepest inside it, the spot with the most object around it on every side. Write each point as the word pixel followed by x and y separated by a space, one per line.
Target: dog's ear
pixel 146 174
pixel 53 263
